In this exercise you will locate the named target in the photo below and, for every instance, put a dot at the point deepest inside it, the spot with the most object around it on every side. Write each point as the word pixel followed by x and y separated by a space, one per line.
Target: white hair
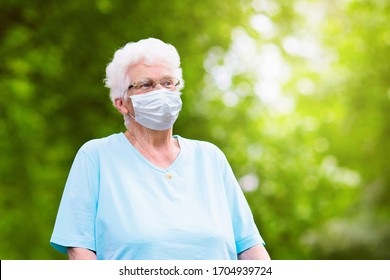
pixel 149 51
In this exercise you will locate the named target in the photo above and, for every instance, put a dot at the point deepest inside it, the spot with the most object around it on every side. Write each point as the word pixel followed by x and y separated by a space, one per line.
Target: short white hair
pixel 149 51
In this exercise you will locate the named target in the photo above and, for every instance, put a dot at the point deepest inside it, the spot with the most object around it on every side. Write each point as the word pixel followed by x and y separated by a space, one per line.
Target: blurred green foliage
pixel 296 93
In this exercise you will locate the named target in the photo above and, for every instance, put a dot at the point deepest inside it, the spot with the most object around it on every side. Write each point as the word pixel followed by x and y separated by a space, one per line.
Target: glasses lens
pixel 169 83
pixel 144 85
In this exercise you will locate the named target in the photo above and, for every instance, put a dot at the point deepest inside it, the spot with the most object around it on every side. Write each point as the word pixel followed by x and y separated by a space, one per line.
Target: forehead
pixel 144 71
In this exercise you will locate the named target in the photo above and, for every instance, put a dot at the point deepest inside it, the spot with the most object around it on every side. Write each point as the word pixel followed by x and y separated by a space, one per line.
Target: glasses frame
pixel 154 83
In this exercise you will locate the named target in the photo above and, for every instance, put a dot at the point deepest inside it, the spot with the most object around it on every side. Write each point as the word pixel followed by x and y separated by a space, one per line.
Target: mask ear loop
pixel 125 98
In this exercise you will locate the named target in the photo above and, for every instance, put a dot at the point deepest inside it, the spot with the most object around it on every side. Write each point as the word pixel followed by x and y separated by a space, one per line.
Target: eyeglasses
pixel 148 84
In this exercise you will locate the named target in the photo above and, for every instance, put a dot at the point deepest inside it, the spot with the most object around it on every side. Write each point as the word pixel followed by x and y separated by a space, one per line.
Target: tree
pixel 294 92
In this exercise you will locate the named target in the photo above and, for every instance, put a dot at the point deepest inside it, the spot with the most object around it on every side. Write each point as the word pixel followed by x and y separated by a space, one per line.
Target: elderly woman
pixel 146 194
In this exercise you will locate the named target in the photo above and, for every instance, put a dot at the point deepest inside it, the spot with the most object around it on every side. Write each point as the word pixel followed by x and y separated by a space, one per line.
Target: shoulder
pixel 96 148
pixel 102 143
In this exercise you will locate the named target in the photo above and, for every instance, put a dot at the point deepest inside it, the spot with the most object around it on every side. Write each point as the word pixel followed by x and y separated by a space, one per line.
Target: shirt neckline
pixel 147 162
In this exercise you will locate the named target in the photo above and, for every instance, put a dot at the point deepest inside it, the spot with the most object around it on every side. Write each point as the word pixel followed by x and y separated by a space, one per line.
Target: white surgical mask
pixel 157 109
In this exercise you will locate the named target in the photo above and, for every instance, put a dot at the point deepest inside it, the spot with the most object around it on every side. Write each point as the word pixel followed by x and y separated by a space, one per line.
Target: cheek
pixel 129 106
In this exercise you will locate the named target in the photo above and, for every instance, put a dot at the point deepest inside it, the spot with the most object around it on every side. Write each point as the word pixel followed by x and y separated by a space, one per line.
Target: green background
pixel 296 93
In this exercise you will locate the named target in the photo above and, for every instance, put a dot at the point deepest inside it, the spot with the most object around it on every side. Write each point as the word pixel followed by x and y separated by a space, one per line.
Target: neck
pixel 154 138
pixel 156 146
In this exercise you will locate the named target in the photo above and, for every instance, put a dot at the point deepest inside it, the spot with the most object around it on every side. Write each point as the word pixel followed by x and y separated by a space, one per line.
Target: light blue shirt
pixel 121 206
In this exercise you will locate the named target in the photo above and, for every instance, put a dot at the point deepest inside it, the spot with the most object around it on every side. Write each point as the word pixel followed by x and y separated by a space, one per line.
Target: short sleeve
pixel 246 233
pixel 75 222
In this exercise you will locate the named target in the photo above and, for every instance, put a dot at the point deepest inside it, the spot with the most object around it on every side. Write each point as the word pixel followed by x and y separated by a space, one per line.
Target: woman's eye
pixel 146 85
pixel 168 82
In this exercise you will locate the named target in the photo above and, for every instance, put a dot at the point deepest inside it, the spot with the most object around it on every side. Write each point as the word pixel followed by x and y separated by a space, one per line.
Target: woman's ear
pixel 121 106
